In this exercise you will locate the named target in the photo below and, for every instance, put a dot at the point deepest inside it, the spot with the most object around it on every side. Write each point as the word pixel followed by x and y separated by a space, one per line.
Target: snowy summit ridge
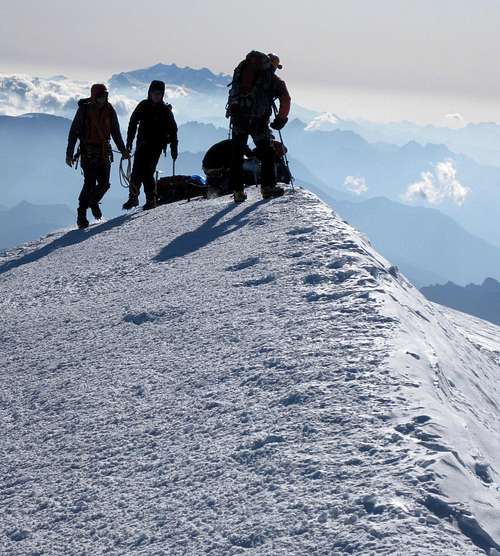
pixel 208 378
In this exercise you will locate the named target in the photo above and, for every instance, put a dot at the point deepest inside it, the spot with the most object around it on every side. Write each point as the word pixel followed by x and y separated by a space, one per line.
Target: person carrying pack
pixel 254 89
pixel 157 129
pixel 94 124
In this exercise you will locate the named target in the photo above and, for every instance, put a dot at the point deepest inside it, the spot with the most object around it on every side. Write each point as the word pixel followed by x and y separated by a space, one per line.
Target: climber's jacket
pixel 156 122
pixel 94 125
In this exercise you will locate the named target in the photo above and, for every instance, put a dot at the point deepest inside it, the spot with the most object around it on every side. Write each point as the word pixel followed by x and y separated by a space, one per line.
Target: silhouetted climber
pixel 94 124
pixel 157 129
pixel 254 89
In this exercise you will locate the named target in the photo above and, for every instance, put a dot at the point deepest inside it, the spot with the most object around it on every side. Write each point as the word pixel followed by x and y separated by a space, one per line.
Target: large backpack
pixel 178 188
pixel 251 93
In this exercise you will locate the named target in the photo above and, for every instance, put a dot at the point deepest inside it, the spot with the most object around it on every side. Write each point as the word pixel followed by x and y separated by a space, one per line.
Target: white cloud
pixel 456 117
pixel 437 186
pixel 356 184
pixel 122 104
pixel 22 94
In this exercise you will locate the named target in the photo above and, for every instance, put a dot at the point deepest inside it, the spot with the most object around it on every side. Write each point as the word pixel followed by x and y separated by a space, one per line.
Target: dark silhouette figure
pixel 94 124
pixel 254 89
pixel 157 129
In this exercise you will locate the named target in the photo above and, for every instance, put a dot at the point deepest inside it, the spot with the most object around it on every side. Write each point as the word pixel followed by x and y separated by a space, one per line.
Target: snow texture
pixel 208 378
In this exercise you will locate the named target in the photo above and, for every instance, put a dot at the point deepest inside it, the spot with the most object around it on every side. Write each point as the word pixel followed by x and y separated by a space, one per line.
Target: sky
pixel 375 59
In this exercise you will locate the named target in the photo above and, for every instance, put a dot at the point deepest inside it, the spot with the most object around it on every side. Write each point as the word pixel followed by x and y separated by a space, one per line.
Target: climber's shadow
pixel 70 238
pixel 206 233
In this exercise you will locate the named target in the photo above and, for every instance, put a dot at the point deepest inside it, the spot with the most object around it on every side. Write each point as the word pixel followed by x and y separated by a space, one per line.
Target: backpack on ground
pixel 180 188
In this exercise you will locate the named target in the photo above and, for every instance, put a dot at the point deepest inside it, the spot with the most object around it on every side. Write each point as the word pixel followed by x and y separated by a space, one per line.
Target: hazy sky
pixel 380 59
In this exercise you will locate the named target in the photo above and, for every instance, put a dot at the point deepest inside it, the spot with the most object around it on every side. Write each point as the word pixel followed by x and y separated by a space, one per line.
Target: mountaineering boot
pixel 81 220
pixel 150 204
pixel 268 192
pixel 96 211
pixel 240 196
pixel 131 203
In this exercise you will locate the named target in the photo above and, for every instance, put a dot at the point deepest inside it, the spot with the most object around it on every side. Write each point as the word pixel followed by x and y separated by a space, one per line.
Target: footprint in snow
pixel 258 281
pixel 300 231
pixel 315 279
pixel 337 278
pixel 143 318
pixel 247 263
pixel 294 399
pixel 339 263
pixel 18 535
pixel 270 439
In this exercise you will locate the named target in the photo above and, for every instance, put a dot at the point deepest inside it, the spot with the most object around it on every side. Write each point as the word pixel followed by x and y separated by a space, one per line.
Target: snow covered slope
pixel 215 379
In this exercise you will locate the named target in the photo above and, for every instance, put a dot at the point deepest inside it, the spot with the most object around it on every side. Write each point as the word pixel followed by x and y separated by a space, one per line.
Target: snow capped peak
pixel 212 378
pixel 324 122
pixel 188 79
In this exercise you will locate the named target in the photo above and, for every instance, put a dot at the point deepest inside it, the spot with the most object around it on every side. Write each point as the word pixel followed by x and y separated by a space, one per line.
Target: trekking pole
pixel 173 160
pixel 285 157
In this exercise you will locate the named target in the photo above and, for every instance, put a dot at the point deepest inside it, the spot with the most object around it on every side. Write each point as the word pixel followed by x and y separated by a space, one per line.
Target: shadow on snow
pixel 185 244
pixel 206 233
pixel 72 237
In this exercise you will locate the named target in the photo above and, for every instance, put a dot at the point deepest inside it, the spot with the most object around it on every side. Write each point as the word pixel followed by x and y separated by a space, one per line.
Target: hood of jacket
pixel 156 86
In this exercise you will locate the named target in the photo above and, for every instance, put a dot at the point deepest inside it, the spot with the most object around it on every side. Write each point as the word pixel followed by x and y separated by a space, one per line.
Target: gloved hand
pixel 126 154
pixel 174 150
pixel 69 161
pixel 279 123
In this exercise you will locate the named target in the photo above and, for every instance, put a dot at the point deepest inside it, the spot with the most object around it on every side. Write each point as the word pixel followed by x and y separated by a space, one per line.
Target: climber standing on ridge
pixel 157 129
pixel 254 89
pixel 94 123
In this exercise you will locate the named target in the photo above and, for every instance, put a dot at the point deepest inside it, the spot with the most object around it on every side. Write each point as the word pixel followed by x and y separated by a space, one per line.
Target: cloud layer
pixel 440 185
pixel 457 117
pixel 356 185
pixel 21 94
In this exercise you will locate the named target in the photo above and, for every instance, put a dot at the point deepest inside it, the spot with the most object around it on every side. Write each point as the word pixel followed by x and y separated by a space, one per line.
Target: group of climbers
pixel 96 122
pixel 254 90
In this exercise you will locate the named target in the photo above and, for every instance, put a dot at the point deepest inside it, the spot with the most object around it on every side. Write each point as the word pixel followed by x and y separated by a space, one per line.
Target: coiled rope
pixel 125 173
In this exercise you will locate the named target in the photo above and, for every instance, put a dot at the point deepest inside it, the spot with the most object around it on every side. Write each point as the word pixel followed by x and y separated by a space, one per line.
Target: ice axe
pixel 285 157
pixel 173 161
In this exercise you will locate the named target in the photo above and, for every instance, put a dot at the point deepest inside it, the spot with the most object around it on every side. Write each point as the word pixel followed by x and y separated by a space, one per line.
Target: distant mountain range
pixel 27 222
pixel 482 301
pixel 388 170
pixel 427 245
pixel 186 79
pixel 196 94
pixel 481 141
pixel 188 88
pixel 32 152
